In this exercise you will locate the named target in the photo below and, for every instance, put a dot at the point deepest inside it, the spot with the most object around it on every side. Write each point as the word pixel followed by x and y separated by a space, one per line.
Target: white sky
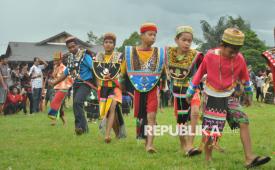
pixel 36 20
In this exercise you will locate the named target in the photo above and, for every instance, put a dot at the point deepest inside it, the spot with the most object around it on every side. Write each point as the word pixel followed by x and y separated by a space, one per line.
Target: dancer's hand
pixel 51 82
pixel 107 76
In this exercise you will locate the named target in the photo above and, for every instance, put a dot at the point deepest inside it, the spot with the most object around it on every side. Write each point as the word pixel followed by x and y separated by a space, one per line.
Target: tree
pixel 93 39
pixel 253 46
pixel 252 50
pixel 133 40
pixel 213 34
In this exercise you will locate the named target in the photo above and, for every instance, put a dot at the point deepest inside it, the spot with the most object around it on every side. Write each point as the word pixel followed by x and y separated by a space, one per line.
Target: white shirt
pixel 260 81
pixel 36 71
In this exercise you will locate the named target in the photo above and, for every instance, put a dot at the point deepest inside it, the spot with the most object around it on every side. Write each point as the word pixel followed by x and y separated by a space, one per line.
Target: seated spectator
pixel 14 101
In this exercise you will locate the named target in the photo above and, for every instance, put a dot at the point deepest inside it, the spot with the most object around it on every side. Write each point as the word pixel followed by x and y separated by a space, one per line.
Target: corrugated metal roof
pixel 27 51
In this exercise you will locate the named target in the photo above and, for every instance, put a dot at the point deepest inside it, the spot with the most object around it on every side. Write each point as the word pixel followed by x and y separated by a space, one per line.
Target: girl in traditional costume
pixel 107 66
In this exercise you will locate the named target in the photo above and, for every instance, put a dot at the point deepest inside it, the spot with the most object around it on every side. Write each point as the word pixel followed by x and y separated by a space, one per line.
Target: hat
pixel 148 27
pixel 182 29
pixel 57 56
pixel 233 36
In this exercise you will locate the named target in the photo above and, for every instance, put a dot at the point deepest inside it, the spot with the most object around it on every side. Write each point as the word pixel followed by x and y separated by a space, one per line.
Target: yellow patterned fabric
pixel 57 56
pixel 107 59
pixel 123 68
pixel 144 55
pixel 233 36
pixel 105 107
pixel 144 59
pixel 185 62
pixel 107 98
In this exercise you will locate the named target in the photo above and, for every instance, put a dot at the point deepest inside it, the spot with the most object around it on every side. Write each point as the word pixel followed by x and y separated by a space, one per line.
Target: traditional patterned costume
pixel 61 89
pixel 79 67
pixel 269 55
pixel 222 75
pixel 107 70
pixel 144 69
pixel 235 115
pixel 92 106
pixel 180 69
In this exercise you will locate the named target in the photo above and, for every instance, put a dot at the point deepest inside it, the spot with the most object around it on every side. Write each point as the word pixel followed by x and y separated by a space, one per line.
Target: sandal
pixel 79 131
pixel 193 152
pixel 258 161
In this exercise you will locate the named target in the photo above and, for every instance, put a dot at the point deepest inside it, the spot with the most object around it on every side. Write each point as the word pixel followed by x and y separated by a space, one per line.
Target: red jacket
pixel 11 98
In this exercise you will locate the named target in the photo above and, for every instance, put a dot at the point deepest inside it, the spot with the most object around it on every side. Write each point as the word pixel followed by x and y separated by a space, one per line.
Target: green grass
pixel 29 142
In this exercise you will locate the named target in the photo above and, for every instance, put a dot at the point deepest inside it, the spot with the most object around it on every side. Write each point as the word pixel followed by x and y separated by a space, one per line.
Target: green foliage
pixel 253 46
pixel 93 39
pixel 133 40
pixel 252 51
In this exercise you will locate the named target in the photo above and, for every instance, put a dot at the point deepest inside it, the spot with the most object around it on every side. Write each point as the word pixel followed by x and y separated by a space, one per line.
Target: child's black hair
pixel 234 47
pixel 179 35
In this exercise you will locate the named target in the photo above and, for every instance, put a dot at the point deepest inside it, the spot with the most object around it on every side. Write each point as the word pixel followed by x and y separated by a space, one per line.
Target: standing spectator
pixel 37 81
pixel 5 70
pixel 26 85
pixel 252 75
pixel 259 86
pixel 3 89
pixel 15 76
pixel 269 89
pixel 3 82
pixel 49 89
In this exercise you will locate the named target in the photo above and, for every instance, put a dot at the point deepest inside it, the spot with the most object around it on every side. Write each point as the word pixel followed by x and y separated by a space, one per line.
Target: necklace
pixel 220 70
pixel 110 59
pixel 107 65
pixel 180 57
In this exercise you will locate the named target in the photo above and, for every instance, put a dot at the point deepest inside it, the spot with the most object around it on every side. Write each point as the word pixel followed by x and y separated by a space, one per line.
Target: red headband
pixel 148 27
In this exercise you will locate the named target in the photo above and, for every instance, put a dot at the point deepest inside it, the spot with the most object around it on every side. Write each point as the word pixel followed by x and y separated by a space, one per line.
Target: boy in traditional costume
pixel 182 64
pixel 107 67
pixel 225 66
pixel 79 67
pixel 61 90
pixel 144 69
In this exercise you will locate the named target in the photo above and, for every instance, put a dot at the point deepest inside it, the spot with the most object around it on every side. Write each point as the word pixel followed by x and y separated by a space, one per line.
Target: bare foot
pixel 63 121
pixel 107 139
pixel 151 150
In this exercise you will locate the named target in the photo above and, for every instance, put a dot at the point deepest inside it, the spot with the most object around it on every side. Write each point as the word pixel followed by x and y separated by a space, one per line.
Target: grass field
pixel 29 142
